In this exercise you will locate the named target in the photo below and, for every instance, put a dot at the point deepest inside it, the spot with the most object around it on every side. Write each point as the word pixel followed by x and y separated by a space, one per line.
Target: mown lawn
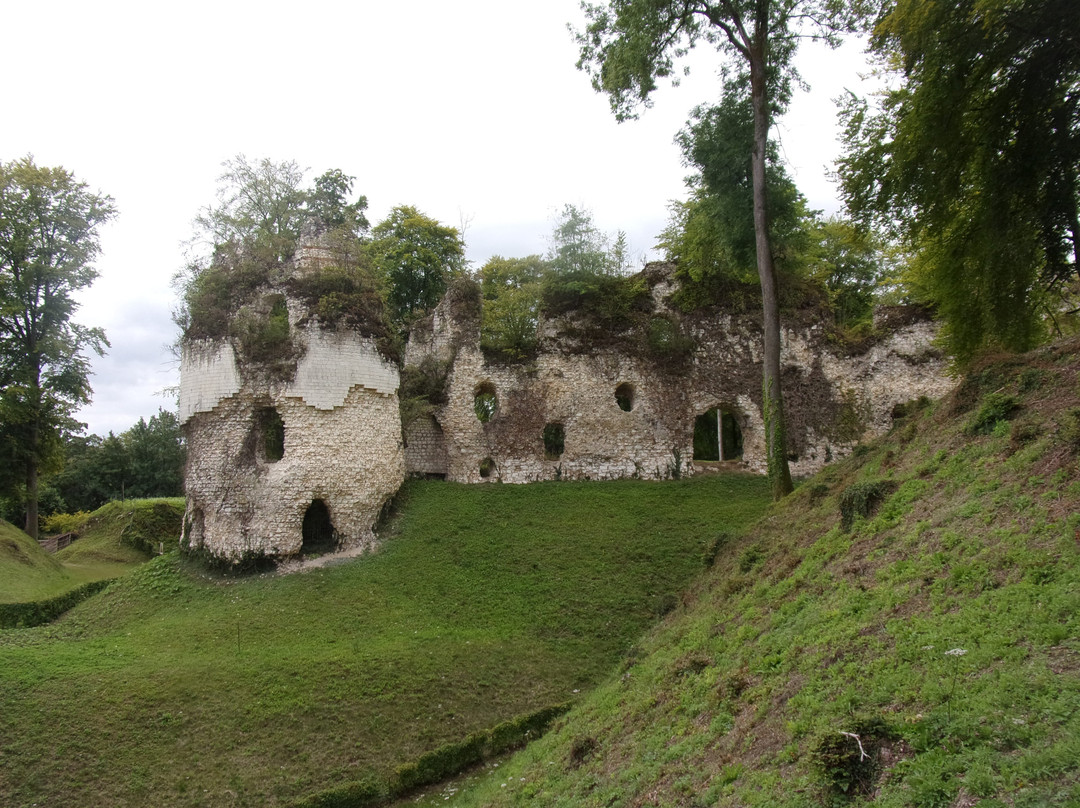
pixel 177 687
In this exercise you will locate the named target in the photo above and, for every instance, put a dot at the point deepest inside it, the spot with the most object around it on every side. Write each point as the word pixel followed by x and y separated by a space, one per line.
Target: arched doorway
pixel 318 531
pixel 717 435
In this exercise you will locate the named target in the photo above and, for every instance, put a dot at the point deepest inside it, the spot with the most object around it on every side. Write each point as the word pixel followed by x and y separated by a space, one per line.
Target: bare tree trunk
pixel 773 401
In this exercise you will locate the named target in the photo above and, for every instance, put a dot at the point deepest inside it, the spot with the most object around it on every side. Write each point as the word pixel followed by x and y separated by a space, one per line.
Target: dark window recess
pixel 487 467
pixel 554 441
pixel 273 435
pixel 624 397
pixel 708 433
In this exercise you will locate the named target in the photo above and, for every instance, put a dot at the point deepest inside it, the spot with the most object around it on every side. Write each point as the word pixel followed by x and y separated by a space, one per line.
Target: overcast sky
pixel 472 111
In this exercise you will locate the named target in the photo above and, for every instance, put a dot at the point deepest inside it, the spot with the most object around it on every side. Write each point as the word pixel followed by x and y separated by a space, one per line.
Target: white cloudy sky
pixel 471 111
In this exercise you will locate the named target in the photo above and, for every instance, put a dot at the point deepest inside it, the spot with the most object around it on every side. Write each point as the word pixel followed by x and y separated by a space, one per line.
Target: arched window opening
pixel 487 467
pixel 485 402
pixel 272 434
pixel 624 396
pixel 717 436
pixel 554 441
pixel 318 531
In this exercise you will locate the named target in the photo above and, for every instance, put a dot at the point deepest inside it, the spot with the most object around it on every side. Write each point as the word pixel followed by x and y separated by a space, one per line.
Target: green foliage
pixel 485 402
pixel 328 209
pixel 245 245
pixel 422 389
pixel 146 460
pixel 611 303
pixel 862 499
pixel 511 305
pixel 995 407
pixel 667 341
pixel 49 224
pixel 718 144
pixel 415 257
pixel 578 248
pixel 847 261
pixel 213 295
pixel 1070 428
pixel 848 761
pixel 262 334
pixel 971 160
pixel 259 212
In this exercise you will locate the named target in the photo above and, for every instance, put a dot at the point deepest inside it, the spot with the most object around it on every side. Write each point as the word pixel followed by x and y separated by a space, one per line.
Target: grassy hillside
pixel 122 534
pixel 26 571
pixel 174 687
pixel 926 654
pixel 114 539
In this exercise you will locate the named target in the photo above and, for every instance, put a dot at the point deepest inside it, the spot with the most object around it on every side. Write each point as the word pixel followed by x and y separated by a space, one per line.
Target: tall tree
pixel 510 289
pixel 48 241
pixel 629 44
pixel 973 159
pixel 416 256
pixel 260 208
pixel 577 246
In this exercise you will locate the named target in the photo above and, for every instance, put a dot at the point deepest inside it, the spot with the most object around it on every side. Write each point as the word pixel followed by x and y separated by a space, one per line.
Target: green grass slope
pixel 177 688
pixel 927 656
pixel 123 534
pixel 26 571
pixel 113 540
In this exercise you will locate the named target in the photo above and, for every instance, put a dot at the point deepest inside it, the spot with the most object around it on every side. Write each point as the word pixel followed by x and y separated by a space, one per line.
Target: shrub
pixel 750 558
pixel 848 762
pixel 1070 428
pixel 666 340
pixel 40 612
pixel 63 522
pixel 861 500
pixel 996 407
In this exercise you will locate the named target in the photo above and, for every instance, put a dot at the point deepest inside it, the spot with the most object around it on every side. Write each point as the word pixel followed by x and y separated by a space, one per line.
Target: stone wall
pixel 833 401
pixel 341 445
pixel 264 447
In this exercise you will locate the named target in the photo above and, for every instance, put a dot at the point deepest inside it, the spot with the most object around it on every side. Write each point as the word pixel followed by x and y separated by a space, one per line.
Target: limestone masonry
pixel 282 466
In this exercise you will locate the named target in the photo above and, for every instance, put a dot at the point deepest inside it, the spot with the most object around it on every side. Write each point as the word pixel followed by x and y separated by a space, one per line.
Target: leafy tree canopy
pixel 146 460
pixel 49 231
pixel 510 290
pixel 415 257
pixel 972 160
pixel 250 237
pixel 578 247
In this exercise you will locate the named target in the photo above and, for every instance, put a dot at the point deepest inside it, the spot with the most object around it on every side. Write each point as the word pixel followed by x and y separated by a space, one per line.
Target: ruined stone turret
pixel 293 430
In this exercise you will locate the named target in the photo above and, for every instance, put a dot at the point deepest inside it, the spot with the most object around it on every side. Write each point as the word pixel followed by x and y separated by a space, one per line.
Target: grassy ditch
pixel 919 647
pixel 113 540
pixel 485 603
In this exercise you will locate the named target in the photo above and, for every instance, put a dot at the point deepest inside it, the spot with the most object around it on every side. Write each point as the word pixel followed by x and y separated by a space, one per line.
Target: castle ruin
pixel 282 464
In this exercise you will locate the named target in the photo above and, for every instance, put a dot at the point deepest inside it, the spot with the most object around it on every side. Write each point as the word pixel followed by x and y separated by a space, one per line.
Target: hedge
pixel 438 765
pixel 39 612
